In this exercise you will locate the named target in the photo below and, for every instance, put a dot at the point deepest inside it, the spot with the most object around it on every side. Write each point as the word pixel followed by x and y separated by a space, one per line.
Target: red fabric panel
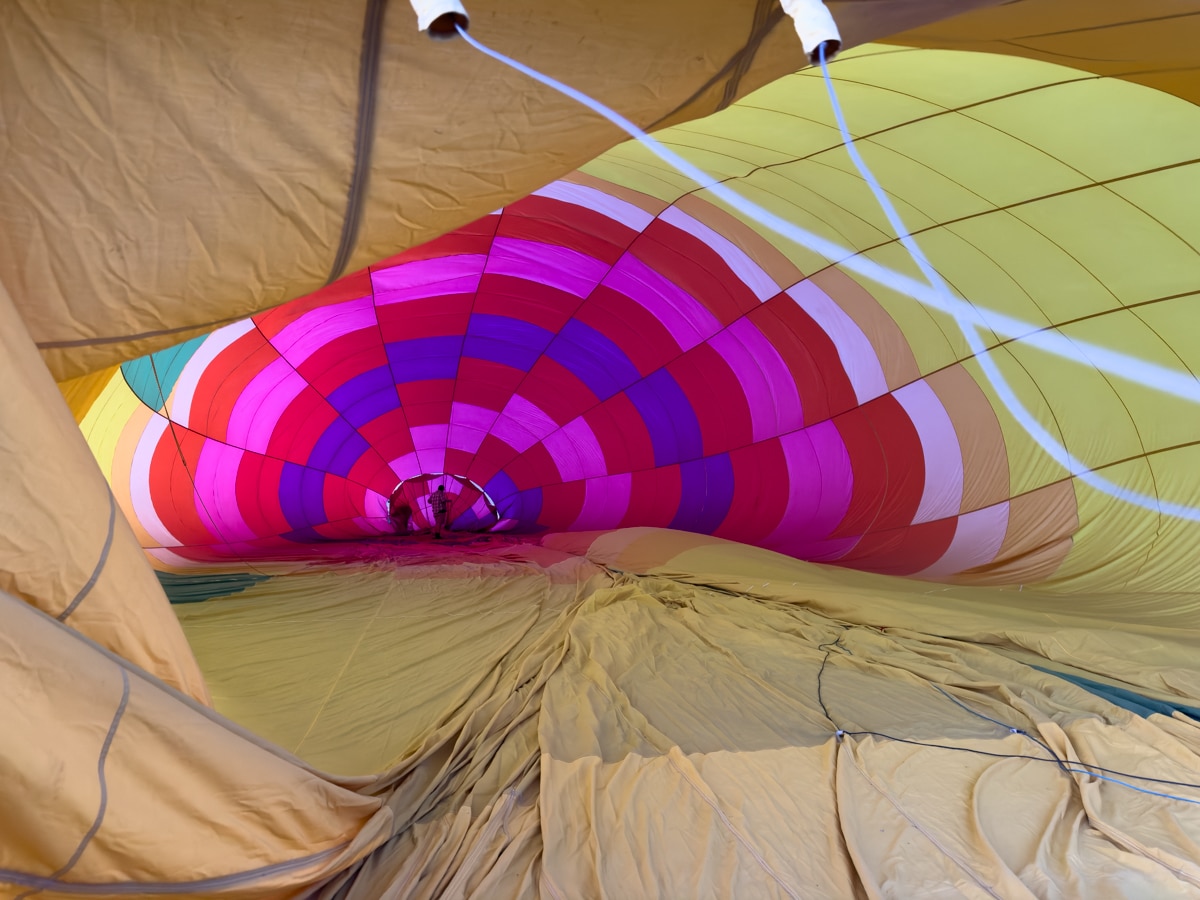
pixel 716 397
pixel 300 427
pixel 556 391
pixel 825 389
pixel 421 411
pixel 530 301
pixel 622 435
pixel 760 492
pixel 388 434
pixel 172 491
pixel 341 359
pixel 562 504
pixel 349 287
pixel 629 325
pixel 258 494
pixel 486 384
pixel 869 465
pixel 654 497
pixel 566 225
pixel 492 456
pixel 224 380
pixel 533 468
pixel 902 551
pixel 904 459
pixel 430 317
pixel 696 268
pixel 436 391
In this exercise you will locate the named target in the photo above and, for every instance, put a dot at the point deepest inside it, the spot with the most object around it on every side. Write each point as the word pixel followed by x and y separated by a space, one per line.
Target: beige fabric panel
pixel 127 784
pixel 665 735
pixel 65 547
pixel 176 166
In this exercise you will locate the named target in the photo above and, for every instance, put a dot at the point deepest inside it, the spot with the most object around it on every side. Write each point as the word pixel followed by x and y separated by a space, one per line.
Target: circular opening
pixel 414 505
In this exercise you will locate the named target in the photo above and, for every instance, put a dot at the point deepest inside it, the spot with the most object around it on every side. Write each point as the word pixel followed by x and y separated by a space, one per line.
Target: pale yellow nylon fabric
pixel 65 547
pixel 646 722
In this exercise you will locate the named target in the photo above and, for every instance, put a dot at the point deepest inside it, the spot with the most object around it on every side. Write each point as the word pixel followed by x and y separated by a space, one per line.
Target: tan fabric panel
pixel 891 347
pixel 176 166
pixel 781 269
pixel 985 460
pixel 65 547
pixel 125 783
pixel 676 734
pixel 1152 42
pixel 1041 525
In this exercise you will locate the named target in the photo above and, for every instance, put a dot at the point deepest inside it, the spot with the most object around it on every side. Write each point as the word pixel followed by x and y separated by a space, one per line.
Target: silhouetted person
pixel 440 504
pixel 401 516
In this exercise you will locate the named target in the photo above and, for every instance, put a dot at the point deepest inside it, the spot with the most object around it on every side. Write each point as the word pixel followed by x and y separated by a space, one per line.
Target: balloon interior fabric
pixel 624 674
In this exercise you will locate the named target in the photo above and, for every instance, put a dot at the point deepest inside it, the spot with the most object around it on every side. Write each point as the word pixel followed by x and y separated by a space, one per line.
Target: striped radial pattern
pixel 593 358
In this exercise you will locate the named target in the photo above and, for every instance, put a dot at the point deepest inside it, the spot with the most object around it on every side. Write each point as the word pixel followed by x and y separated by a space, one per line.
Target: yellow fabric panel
pixel 80 393
pixel 1123 247
pixel 65 548
pixel 1152 43
pixel 1153 125
pixel 1025 264
pixel 115 403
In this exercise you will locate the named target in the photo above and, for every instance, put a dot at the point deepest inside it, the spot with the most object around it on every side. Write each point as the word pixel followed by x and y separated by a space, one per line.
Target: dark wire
pixel 1067 766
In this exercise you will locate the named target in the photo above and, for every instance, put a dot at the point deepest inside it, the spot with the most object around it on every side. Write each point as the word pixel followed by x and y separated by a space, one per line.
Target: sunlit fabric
pixel 765 575
pixel 616 350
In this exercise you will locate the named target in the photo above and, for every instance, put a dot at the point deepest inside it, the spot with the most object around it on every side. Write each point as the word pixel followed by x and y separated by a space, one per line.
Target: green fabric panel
pixel 198 588
pixel 140 373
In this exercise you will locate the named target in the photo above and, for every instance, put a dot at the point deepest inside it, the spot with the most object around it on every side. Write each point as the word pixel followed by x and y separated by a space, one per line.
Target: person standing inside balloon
pixel 440 504
pixel 401 515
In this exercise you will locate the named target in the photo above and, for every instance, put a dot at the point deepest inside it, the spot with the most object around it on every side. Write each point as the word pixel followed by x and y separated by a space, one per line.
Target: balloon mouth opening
pixel 470 509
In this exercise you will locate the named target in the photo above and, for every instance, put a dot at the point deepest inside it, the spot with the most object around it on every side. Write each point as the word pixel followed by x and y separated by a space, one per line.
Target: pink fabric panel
pixel 318 327
pixel 216 492
pixel 977 539
pixel 576 451
pixel 428 278
pixel 560 267
pixel 605 502
pixel 767 383
pixel 260 405
pixel 820 480
pixel 688 321
pixel 522 424
pixel 939 444
pixel 469 425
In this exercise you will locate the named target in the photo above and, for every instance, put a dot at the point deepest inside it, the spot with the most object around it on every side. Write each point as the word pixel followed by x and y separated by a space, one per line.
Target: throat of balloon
pixel 931 290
